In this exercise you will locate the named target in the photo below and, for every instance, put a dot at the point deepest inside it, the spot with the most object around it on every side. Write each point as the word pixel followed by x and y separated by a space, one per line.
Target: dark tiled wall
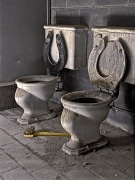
pixel 90 13
pixel 95 13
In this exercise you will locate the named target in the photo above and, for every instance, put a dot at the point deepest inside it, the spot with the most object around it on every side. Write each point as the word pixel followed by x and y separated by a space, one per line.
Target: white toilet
pixel 84 111
pixel 33 92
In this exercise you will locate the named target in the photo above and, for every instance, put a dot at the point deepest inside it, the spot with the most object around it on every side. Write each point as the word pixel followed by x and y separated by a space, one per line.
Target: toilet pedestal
pixel 85 134
pixel 37 110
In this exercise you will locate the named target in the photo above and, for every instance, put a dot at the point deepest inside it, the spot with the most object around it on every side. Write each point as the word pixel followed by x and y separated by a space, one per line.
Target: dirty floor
pixel 41 158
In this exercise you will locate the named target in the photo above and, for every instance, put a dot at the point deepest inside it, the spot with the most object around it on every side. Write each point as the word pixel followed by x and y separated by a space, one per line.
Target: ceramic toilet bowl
pixel 32 94
pixel 82 115
pixel 85 110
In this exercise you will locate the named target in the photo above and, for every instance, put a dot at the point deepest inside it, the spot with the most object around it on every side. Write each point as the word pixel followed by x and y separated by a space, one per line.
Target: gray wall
pixel 21 44
pixel 21 38
pixel 98 13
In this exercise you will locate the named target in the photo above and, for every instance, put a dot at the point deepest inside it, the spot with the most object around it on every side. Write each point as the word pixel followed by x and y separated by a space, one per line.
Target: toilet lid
pixel 107 64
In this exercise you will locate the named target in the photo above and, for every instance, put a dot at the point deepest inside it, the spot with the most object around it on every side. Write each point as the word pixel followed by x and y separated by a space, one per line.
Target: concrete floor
pixel 41 158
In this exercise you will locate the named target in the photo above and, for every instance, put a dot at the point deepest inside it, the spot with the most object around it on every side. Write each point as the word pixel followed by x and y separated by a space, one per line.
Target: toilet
pixel 84 111
pixel 32 94
pixel 34 91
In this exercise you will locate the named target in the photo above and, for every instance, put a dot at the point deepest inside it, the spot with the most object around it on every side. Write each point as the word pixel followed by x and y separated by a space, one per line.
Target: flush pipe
pixel 48 3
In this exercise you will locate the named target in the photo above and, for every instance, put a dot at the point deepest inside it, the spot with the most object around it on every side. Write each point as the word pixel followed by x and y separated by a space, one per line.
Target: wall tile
pixel 72 83
pixel 79 3
pixel 124 99
pixel 110 2
pixel 131 2
pixel 94 17
pixel 124 16
pixel 67 16
pixel 58 3
pixel 83 74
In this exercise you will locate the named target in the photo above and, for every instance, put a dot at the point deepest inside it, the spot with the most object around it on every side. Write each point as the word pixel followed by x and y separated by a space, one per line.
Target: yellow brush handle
pixel 38 133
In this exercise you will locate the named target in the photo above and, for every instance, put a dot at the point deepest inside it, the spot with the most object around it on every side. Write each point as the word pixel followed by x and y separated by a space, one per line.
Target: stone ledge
pixel 7 100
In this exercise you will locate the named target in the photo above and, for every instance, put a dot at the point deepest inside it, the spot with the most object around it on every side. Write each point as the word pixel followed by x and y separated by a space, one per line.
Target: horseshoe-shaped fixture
pixel 65 46
pixel 55 68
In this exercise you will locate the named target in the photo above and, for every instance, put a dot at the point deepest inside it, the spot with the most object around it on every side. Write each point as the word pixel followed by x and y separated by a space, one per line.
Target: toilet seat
pixel 55 68
pixel 107 64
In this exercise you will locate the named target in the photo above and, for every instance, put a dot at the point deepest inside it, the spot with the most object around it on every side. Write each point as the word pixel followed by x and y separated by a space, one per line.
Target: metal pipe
pixel 48 3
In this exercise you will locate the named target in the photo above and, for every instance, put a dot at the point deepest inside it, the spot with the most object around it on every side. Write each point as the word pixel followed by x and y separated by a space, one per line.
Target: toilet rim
pixel 43 79
pixel 106 98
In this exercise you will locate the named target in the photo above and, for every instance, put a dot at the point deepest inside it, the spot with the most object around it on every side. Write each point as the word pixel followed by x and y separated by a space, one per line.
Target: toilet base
pixel 88 147
pixel 36 119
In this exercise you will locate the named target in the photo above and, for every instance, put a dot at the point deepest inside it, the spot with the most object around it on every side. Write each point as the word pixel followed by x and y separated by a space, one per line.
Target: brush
pixel 30 132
